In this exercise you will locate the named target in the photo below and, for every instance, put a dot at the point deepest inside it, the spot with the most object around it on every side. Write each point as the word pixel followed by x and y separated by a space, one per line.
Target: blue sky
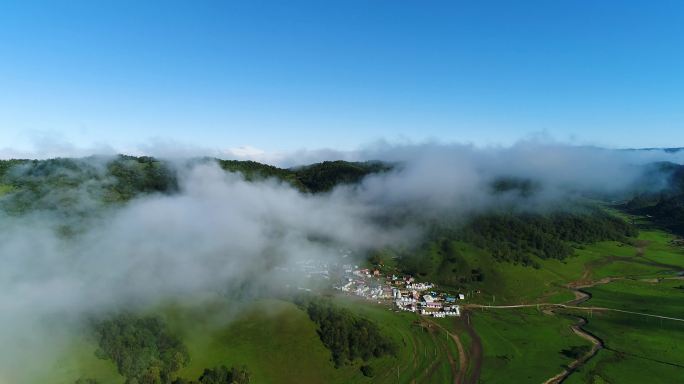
pixel 338 74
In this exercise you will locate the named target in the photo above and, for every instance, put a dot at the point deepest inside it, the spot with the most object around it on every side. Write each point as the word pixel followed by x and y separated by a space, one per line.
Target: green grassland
pixel 646 270
pixel 651 254
pixel 274 339
pixel 278 343
pixel 422 348
pixel 610 367
pixel 525 344
pixel 76 360
pixel 503 282
pixel 659 248
pixel 5 189
pixel 659 297
pixel 506 283
pixel 637 350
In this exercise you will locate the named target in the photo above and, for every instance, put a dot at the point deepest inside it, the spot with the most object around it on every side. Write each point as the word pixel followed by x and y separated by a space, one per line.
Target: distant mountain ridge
pixel 66 183
pixel 665 207
pixel 314 178
pixel 668 150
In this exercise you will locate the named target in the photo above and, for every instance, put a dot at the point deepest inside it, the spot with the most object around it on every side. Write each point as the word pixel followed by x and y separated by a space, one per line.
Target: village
pixel 400 293
pixel 403 293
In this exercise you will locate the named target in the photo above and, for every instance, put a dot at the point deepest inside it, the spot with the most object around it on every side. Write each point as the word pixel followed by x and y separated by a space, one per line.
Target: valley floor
pixel 614 313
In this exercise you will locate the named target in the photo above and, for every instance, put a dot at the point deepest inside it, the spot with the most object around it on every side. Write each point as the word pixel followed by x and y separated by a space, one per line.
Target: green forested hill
pixel 665 207
pixel 59 184
pixel 314 178
pixel 496 257
pixel 519 239
pixel 78 185
pixel 252 170
pixel 321 177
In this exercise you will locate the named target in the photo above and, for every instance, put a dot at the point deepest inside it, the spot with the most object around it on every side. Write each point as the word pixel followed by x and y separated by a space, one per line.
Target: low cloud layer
pixel 458 179
pixel 220 231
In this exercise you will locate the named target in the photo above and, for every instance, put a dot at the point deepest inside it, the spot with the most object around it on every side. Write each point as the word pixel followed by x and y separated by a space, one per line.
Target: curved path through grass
pixel 580 297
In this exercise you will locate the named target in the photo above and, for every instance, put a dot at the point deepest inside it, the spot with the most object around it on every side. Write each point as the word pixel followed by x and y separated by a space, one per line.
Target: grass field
pixel 274 339
pixel 652 255
pixel 525 344
pixel 278 344
pixel 610 367
pixel 76 360
pixel 659 248
pixel 509 283
pixel 638 350
pixel 422 355
pixel 5 189
pixel 665 298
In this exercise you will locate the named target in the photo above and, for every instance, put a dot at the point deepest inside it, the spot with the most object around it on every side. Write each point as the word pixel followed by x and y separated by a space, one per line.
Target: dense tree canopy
pixel 516 237
pixel 220 375
pixel 508 237
pixel 314 178
pixel 322 177
pixel 666 206
pixel 74 186
pixel 522 187
pixel 348 336
pixel 251 170
pixel 143 349
pixel 136 175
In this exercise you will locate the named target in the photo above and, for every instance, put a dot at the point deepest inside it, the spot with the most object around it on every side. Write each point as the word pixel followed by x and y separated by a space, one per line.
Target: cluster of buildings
pixel 412 296
pixel 404 293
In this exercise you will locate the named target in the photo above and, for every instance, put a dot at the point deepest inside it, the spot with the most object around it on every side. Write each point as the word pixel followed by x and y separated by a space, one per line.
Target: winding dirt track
pixel 459 378
pixel 475 351
pixel 554 305
pixel 581 296
pixel 475 354
pixel 597 344
pixel 472 358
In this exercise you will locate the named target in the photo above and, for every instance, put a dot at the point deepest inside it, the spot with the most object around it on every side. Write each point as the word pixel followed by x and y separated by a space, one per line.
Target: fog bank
pixel 219 232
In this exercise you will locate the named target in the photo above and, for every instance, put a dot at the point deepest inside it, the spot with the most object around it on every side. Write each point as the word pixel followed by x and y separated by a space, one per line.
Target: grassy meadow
pixel 278 342
pixel 525 343
pixel 637 350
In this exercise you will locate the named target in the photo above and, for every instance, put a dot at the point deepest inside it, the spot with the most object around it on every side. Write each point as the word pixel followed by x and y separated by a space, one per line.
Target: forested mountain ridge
pixel 314 178
pixel 73 186
pixel 61 183
pixel 77 186
pixel 665 207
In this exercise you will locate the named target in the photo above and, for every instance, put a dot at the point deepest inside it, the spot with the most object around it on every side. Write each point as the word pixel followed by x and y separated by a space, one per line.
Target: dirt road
pixel 458 373
pixel 476 351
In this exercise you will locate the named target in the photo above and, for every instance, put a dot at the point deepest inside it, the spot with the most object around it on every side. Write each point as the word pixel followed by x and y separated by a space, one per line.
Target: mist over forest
pixel 84 237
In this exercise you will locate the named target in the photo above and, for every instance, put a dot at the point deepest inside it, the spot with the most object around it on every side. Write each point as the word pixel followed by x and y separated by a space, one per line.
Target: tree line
pixel 348 336
pixel 146 352
pixel 515 238
pixel 63 183
pixel 508 237
pixel 666 206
